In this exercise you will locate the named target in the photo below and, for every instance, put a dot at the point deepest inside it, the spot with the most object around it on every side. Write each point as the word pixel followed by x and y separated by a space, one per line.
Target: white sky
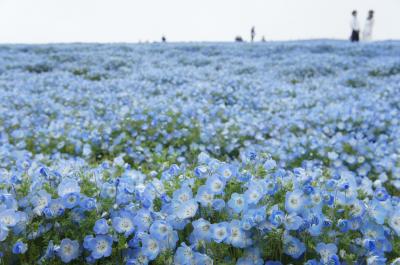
pixel 43 21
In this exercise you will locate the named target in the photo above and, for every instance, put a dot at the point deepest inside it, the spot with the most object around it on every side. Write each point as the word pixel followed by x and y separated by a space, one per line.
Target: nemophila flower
pixel 123 222
pixel 225 172
pixel 294 202
pixel 218 204
pixel 201 171
pixel 373 230
pixel 377 211
pixel 220 231
pixel 369 244
pixel 236 236
pixel 357 209
pixel 202 229
pixel 326 251
pixel 142 220
pixel 182 195
pixel 100 246
pixel 88 204
pixel 355 223
pixel 187 209
pixel 68 250
pixel 277 216
pixel 9 217
pixel 39 201
pixel 394 221
pixel 269 164
pixel 293 246
pixel 381 194
pixel 150 247
pixel 253 194
pixel 215 185
pixel 71 200
pixel 271 187
pixel 204 196
pixel 237 202
pixel 101 227
pixel 184 255
pixel 54 209
pixel 19 248
pixel 254 254
pixel 108 190
pixel 68 186
pixel 160 230
pixel 292 221
pixel 87 240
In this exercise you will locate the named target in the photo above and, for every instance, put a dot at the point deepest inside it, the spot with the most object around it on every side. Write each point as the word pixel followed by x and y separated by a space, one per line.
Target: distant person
pixel 263 39
pixel 253 33
pixel 355 27
pixel 369 24
pixel 163 39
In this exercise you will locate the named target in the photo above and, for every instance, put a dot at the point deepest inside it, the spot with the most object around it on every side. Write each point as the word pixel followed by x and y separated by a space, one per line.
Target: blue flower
pixel 71 200
pixel 68 186
pixel 220 231
pixel 150 247
pixel 253 194
pixel 215 185
pixel 160 230
pixel 326 251
pixel 184 255
pixel 394 221
pixel 237 202
pixel 294 201
pixel 202 229
pixel 204 196
pixel 218 204
pixel 236 236
pixel 9 218
pixel 182 195
pixel 101 246
pixel 19 248
pixel 88 204
pixel 187 209
pixel 124 223
pixel 293 247
pixel 101 227
pixel 68 250
pixel 293 221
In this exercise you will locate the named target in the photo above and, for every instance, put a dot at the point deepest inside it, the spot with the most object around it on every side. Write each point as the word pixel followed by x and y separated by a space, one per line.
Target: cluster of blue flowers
pixel 247 212
pixel 200 154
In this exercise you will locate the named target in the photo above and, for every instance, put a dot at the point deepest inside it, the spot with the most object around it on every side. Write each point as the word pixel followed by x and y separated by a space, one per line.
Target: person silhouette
pixel 253 33
pixel 355 27
pixel 163 39
pixel 369 24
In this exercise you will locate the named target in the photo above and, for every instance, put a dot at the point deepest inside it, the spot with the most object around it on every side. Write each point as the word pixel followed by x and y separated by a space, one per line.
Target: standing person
pixel 355 27
pixel 369 24
pixel 253 33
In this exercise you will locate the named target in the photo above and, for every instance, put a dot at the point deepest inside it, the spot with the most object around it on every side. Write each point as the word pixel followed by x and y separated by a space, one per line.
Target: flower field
pixel 268 153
